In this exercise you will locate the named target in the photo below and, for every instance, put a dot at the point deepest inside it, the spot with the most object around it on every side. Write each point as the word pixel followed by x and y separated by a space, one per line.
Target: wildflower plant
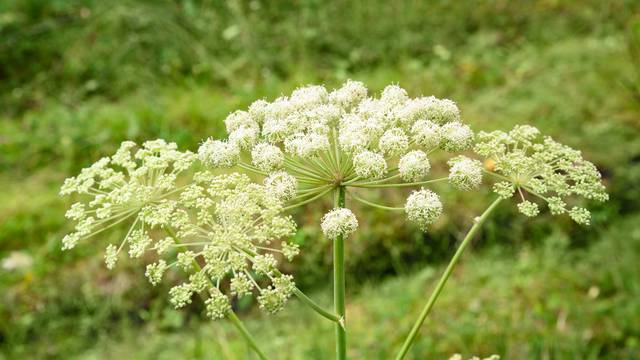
pixel 202 215
pixel 315 142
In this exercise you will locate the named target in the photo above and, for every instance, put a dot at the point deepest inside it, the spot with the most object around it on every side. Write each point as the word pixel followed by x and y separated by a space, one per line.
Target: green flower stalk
pixel 524 162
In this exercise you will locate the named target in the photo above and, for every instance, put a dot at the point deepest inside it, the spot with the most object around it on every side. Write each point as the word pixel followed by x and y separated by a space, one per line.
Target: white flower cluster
pixel 218 228
pixel 343 137
pixel 218 153
pixel 312 120
pixel 423 207
pixel 529 163
pixel 338 222
pixel 465 173
pixel 414 166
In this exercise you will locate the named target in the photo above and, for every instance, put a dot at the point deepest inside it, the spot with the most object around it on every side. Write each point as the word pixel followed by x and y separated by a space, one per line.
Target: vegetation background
pixel 79 77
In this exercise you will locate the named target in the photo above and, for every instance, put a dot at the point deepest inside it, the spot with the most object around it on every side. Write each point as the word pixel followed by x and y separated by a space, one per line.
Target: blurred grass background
pixel 79 77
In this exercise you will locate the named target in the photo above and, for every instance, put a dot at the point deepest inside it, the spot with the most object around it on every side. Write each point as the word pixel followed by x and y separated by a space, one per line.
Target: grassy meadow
pixel 79 77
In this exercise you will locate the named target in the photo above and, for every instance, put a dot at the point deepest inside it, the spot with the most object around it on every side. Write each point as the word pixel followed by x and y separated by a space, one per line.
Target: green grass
pixel 523 304
pixel 72 49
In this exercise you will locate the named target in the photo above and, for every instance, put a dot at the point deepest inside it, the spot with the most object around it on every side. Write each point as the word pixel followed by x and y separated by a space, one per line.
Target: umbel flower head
pixel 220 230
pixel 537 166
pixel 134 180
pixel 465 173
pixel 229 225
pixel 344 137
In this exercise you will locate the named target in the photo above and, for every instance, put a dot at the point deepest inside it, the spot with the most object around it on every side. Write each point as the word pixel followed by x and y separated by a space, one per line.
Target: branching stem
pixel 317 308
pixel 308 200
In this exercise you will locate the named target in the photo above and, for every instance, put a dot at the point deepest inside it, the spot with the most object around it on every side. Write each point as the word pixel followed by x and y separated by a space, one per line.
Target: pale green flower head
pixel 135 180
pixel 465 173
pixel 228 226
pixel 216 229
pixel 536 166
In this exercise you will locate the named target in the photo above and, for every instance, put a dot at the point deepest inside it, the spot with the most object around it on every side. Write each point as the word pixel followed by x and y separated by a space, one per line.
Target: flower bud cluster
pixel 537 165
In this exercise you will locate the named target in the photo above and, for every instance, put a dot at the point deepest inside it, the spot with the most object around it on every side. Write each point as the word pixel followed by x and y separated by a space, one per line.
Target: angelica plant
pixel 316 142
pixel 200 214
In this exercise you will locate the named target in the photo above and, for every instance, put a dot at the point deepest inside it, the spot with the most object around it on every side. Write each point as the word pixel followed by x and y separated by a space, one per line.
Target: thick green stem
pixel 443 280
pixel 246 335
pixel 339 284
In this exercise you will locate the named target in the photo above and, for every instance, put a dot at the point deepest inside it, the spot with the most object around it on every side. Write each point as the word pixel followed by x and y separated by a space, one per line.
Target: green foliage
pixel 78 77
pixel 74 49
pixel 531 303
